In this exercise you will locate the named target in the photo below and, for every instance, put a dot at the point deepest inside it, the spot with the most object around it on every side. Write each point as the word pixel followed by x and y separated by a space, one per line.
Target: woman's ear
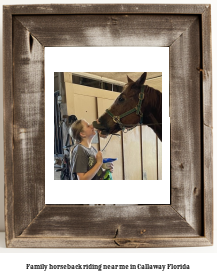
pixel 82 134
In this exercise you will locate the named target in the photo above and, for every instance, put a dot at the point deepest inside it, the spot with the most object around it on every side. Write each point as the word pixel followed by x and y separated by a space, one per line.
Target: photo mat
pixel 102 192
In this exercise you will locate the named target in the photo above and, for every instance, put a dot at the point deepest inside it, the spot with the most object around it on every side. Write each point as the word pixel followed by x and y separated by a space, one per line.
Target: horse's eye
pixel 120 99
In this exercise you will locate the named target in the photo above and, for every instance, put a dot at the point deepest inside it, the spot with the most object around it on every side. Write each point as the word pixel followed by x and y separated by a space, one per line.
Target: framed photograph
pixel 30 32
pixel 138 150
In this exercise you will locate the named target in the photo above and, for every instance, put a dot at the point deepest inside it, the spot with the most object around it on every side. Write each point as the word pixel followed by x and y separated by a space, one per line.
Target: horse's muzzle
pixel 100 127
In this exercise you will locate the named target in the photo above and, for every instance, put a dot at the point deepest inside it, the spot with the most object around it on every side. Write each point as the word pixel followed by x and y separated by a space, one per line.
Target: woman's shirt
pixel 82 160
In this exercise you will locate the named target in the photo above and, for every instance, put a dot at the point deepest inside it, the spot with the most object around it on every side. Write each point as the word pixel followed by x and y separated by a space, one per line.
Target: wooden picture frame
pixel 186 30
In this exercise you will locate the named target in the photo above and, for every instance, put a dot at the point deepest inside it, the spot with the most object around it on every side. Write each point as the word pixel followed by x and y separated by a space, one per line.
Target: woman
pixel 86 161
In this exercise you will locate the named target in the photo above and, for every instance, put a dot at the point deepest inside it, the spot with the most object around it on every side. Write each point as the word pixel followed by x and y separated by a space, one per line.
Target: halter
pixel 137 109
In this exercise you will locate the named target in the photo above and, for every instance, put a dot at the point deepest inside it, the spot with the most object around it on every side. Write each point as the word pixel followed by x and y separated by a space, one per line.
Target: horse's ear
pixel 129 80
pixel 141 79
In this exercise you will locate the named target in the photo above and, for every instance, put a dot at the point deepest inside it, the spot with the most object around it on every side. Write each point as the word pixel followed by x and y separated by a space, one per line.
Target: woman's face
pixel 88 130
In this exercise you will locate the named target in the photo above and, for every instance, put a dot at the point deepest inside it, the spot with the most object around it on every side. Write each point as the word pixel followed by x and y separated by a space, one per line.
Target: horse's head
pixel 127 100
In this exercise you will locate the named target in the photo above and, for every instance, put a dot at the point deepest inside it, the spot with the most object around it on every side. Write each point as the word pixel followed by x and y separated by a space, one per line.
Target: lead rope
pixel 109 141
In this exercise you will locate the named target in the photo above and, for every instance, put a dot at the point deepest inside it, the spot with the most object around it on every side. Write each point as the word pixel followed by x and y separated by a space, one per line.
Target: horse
pixel 137 104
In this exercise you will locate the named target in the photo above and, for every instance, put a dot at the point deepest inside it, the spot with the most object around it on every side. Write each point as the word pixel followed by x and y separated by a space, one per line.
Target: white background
pixel 201 259
pixel 102 192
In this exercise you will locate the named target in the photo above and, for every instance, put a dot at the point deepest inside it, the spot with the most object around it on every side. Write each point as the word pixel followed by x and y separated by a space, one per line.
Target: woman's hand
pixel 111 167
pixel 99 159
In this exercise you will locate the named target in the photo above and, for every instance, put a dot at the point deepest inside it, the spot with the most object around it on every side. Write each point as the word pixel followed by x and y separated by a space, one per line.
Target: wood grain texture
pixel 208 182
pixel 8 125
pixel 28 125
pixel 162 242
pixel 109 222
pixel 106 9
pixel 207 123
pixel 185 114
pixel 206 68
pixel 107 30
pixel 189 220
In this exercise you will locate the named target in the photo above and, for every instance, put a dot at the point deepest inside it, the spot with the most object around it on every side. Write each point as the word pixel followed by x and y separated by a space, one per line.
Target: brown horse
pixel 137 104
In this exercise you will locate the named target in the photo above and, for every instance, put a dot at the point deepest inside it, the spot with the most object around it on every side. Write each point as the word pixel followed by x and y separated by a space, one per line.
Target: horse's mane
pixel 154 99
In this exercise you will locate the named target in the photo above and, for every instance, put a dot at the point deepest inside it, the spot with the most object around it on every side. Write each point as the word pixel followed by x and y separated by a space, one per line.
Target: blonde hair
pixel 75 130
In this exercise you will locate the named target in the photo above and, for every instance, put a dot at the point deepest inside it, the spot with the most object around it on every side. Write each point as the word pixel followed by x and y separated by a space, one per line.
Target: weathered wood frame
pixel 186 29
